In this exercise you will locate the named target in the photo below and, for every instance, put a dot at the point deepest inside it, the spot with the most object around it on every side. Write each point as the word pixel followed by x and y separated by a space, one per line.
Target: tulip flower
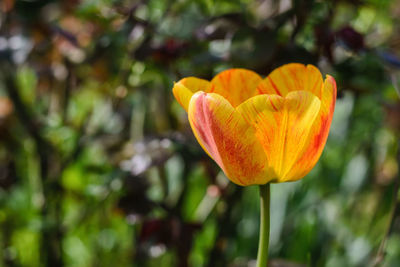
pixel 261 131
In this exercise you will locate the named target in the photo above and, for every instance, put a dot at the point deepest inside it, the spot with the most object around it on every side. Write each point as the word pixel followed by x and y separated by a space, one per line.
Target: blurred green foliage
pixel 98 166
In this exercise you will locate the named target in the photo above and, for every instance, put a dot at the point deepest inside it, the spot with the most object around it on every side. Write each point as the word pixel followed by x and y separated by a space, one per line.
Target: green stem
pixel 262 256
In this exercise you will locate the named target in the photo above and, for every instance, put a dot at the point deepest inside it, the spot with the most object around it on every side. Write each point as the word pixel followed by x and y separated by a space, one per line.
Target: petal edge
pixel 184 89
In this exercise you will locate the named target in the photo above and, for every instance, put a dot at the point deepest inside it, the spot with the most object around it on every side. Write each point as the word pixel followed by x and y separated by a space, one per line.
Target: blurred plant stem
pixel 395 213
pixel 263 244
pixel 50 171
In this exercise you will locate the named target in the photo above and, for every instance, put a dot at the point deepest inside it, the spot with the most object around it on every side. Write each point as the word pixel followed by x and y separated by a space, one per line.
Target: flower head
pixel 261 130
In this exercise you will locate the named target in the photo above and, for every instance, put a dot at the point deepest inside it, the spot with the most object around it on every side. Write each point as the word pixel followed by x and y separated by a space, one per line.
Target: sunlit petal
pixel 292 77
pixel 228 139
pixel 236 85
pixel 319 132
pixel 282 125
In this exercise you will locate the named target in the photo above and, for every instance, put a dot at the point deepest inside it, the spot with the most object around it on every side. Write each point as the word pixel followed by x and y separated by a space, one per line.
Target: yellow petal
pixel 185 88
pixel 319 131
pixel 228 139
pixel 282 125
pixel 292 77
pixel 236 85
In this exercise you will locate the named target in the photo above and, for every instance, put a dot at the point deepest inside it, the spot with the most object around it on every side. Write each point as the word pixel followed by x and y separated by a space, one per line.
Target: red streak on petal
pixel 319 138
pixel 274 86
pixel 313 89
pixel 212 89
pixel 225 78
pixel 298 84
pixel 272 104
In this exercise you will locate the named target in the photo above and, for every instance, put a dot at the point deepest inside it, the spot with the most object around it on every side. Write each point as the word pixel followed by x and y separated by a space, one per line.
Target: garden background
pixel 99 167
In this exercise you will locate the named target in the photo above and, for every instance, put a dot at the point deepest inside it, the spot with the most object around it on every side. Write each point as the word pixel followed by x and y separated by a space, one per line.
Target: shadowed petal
pixel 185 88
pixel 236 85
pixel 228 139
pixel 292 77
pixel 282 125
